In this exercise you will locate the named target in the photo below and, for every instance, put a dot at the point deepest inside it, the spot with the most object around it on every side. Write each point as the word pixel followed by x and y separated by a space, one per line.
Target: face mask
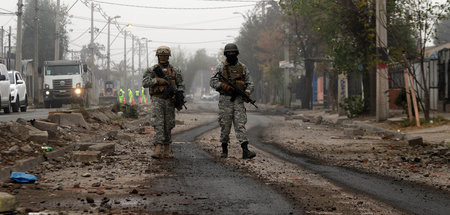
pixel 232 59
pixel 163 59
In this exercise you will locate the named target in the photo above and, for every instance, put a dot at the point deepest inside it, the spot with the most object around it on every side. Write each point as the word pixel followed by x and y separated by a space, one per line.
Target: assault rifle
pixel 171 91
pixel 237 91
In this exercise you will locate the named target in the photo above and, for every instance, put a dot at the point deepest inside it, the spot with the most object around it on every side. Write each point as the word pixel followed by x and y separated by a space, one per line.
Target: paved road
pixel 406 196
pixel 30 114
pixel 201 185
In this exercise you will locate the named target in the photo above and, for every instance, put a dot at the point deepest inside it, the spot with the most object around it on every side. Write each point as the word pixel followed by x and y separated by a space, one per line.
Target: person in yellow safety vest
pixel 143 95
pixel 130 96
pixel 121 95
pixel 136 97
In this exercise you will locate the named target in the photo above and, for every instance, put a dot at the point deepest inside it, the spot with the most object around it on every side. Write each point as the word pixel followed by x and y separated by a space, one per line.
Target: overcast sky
pixel 184 23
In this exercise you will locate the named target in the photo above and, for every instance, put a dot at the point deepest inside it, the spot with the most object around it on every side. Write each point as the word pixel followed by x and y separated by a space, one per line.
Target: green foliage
pixel 129 111
pixel 47 32
pixel 117 107
pixel 427 123
pixel 353 106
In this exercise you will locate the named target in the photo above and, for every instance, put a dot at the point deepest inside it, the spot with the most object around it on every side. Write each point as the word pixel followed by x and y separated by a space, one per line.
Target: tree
pixel 46 17
pixel 198 70
pixel 443 32
pixel 260 41
pixel 422 16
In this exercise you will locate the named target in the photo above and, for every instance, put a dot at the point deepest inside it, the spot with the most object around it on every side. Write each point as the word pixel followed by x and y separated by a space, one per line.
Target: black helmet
pixel 231 47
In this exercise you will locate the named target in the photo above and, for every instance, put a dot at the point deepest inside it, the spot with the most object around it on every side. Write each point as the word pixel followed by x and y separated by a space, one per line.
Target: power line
pixel 174 8
pixel 187 43
pixel 7 10
pixel 162 27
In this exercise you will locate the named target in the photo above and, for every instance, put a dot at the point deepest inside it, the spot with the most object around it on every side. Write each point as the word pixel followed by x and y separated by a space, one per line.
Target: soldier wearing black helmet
pixel 163 108
pixel 231 107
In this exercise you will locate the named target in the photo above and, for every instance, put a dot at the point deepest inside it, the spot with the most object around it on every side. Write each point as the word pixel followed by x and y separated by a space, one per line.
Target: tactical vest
pixel 158 89
pixel 235 74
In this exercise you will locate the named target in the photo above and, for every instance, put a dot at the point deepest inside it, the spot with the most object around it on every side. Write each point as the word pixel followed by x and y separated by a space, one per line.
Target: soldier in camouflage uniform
pixel 232 111
pixel 163 109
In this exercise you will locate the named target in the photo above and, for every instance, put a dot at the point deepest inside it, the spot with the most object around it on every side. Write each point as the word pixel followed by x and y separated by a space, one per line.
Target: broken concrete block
pixel 415 141
pixel 51 128
pixel 45 126
pixel 68 119
pixel 99 116
pixel 125 137
pixel 83 146
pixel 86 156
pixel 105 148
pixel 318 120
pixel 7 202
pixel 36 135
pixel 353 132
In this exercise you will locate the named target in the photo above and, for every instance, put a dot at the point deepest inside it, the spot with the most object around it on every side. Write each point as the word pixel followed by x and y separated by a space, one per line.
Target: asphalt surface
pixel 406 196
pixel 29 115
pixel 201 185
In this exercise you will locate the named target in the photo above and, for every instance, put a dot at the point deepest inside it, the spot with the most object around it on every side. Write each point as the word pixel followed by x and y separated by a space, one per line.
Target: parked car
pixel 214 96
pixel 19 98
pixel 5 91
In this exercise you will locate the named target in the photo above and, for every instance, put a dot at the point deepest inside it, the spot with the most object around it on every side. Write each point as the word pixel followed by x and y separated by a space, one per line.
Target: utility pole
pixel 57 33
pixel 287 95
pixel 36 54
pixel 124 57
pixel 146 48
pixel 382 104
pixel 108 48
pixel 19 37
pixel 9 49
pixel 132 60
pixel 91 60
pixel 139 58
pixel 1 41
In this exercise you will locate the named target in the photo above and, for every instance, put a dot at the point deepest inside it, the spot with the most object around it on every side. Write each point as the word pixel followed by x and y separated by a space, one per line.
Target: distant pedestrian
pixel 130 96
pixel 231 105
pixel 159 78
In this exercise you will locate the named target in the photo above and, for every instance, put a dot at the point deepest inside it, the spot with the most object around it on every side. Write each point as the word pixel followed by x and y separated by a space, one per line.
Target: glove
pixel 226 87
pixel 248 98
pixel 162 81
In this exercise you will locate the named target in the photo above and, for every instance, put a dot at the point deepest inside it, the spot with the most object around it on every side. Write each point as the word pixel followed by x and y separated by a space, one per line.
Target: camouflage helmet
pixel 163 50
pixel 230 47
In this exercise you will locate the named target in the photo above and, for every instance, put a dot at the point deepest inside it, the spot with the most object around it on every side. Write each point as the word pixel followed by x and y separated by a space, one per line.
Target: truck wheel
pixel 24 108
pixel 15 106
pixel 8 109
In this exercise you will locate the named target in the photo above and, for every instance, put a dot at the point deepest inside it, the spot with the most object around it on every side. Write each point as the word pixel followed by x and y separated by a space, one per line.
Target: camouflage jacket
pixel 215 81
pixel 149 79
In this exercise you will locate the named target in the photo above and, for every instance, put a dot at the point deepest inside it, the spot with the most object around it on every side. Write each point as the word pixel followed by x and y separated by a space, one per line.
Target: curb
pixel 31 163
pixel 362 125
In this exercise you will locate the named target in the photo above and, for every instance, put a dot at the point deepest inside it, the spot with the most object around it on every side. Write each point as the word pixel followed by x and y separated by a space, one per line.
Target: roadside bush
pixel 402 102
pixel 433 121
pixel 130 111
pixel 353 106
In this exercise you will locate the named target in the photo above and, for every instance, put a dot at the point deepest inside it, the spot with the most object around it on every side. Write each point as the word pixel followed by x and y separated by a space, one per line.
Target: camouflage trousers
pixel 232 113
pixel 162 120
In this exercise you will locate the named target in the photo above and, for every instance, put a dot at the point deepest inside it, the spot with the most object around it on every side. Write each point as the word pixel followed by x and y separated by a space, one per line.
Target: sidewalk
pixel 431 135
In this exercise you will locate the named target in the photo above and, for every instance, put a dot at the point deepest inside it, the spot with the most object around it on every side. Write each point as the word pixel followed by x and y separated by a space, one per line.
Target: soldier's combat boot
pixel 247 154
pixel 224 150
pixel 157 154
pixel 167 152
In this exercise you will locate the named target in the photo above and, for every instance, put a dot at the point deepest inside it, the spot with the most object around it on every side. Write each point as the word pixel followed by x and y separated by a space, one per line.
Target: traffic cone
pixel 124 102
pixel 132 102
pixel 146 101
